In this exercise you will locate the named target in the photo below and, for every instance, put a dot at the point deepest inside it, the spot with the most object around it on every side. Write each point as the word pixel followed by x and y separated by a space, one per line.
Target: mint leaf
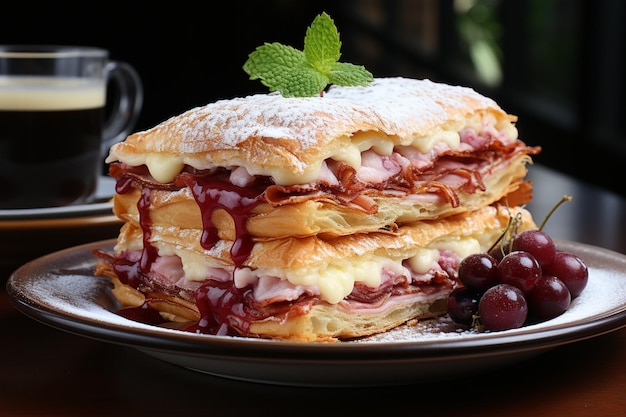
pixel 322 47
pixel 283 68
pixel 346 74
pixel 305 73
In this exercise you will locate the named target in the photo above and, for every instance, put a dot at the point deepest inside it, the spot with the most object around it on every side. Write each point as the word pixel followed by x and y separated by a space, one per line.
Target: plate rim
pixel 179 342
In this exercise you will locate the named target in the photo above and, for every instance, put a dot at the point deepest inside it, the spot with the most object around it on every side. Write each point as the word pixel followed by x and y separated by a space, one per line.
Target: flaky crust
pixel 322 217
pixel 292 252
pixel 327 323
pixel 324 321
pixel 270 133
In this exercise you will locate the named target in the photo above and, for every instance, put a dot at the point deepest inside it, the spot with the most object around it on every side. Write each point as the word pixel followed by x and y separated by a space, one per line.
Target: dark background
pixel 187 53
pixel 562 60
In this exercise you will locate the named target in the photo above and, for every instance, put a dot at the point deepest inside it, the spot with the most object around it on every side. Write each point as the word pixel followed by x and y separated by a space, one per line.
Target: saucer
pixel 26 234
pixel 101 205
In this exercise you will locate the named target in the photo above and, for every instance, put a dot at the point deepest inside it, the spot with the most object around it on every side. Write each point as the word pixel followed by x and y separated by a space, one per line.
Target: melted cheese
pixel 461 246
pixel 508 129
pixel 361 142
pixel 194 268
pixel 335 281
pixel 384 145
pixel 164 167
pixel 425 144
pixel 351 155
pixel 286 177
pixel 424 260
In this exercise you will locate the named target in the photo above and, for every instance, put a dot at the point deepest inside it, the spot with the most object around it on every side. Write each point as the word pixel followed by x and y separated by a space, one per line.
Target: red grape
pixel 519 269
pixel 463 305
pixel 570 269
pixel 537 243
pixel 478 271
pixel 549 298
pixel 522 280
pixel 503 307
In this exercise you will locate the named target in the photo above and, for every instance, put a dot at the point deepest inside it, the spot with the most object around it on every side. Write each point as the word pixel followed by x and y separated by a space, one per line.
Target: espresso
pixel 50 135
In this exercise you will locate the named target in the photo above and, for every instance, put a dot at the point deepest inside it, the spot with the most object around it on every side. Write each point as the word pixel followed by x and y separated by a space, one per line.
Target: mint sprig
pixel 306 73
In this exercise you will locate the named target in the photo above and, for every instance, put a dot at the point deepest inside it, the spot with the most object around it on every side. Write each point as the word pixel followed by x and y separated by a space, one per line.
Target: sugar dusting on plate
pixel 77 296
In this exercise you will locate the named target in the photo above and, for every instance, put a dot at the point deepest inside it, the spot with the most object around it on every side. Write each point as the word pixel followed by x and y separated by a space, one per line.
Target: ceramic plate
pixel 61 291
pixel 104 192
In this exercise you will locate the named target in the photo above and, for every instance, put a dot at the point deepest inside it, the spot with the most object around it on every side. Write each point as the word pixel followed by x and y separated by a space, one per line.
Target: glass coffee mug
pixel 61 108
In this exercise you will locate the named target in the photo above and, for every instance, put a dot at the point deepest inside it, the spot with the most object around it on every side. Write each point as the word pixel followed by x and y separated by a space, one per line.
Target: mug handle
pixel 124 102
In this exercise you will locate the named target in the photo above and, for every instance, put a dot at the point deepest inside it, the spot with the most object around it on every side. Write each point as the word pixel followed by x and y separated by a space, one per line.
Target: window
pixel 557 64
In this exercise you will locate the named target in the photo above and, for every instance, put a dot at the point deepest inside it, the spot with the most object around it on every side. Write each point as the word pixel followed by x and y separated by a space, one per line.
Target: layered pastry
pixel 314 219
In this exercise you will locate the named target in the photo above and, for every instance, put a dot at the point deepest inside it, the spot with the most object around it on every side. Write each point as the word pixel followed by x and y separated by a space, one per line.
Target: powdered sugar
pixel 397 106
pixel 229 122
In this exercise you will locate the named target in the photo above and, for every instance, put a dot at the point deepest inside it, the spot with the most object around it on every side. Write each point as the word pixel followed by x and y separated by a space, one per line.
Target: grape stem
pixel 511 230
pixel 508 227
pixel 561 201
pixel 476 323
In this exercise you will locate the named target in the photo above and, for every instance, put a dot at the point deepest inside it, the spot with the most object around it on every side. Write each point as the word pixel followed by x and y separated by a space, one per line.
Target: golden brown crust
pixel 171 308
pixel 292 252
pixel 325 321
pixel 270 133
pixel 328 323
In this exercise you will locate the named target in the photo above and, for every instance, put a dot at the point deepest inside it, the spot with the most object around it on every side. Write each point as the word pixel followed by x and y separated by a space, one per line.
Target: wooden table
pixel 44 371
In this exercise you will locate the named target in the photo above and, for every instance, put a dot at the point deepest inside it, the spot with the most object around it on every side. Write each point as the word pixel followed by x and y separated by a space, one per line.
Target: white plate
pixel 61 291
pixel 104 192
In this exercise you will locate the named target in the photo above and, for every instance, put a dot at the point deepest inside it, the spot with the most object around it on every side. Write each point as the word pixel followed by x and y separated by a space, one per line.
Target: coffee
pixel 50 130
pixel 61 109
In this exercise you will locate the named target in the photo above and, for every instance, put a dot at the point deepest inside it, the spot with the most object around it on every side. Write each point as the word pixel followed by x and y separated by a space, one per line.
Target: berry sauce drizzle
pixel 217 303
pixel 149 253
pixel 220 303
pixel 238 202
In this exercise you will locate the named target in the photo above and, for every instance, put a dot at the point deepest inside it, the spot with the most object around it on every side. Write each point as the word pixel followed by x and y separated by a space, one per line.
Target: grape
pixel 519 269
pixel 524 279
pixel 570 269
pixel 549 298
pixel 537 243
pixel 503 307
pixel 463 305
pixel 479 271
